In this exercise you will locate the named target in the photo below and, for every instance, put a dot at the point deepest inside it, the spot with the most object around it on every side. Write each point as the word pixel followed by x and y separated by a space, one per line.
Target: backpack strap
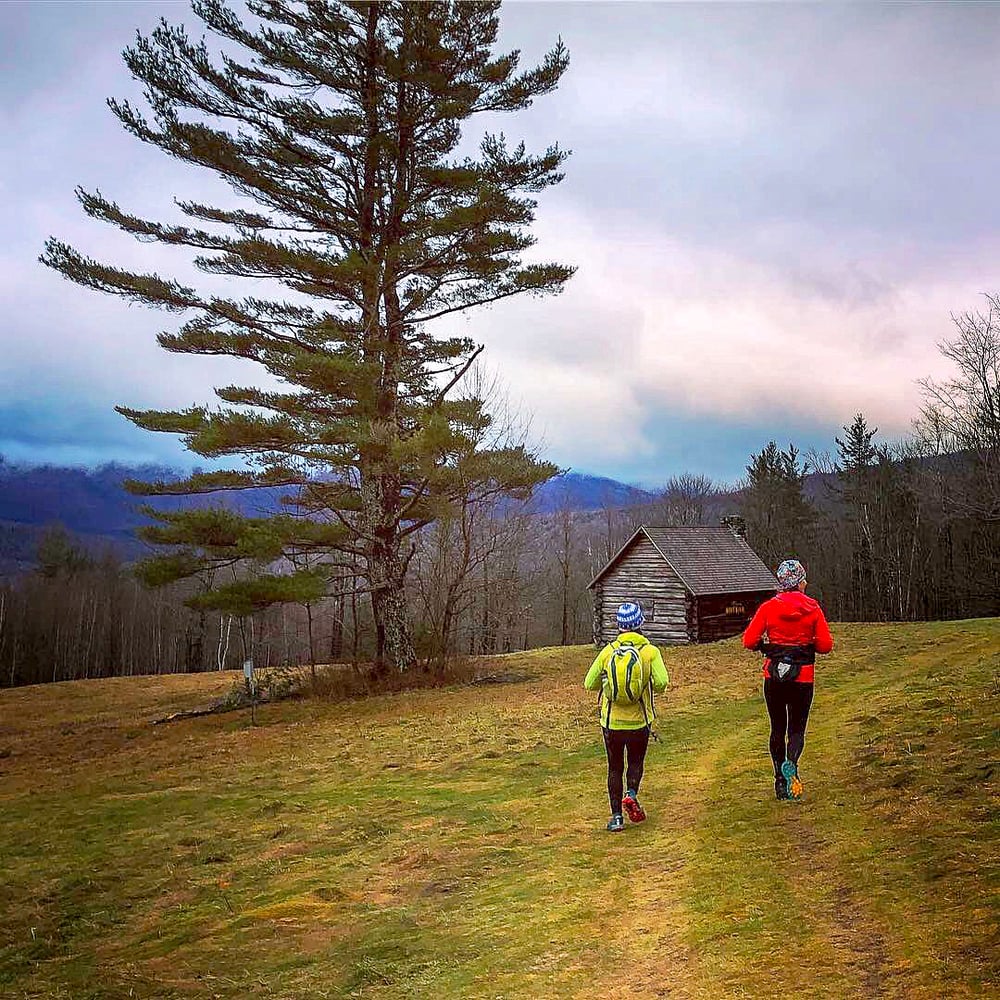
pixel 642 698
pixel 608 670
pixel 613 674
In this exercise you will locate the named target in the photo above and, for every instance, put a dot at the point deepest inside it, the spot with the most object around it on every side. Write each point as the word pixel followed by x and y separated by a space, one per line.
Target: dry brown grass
pixel 449 841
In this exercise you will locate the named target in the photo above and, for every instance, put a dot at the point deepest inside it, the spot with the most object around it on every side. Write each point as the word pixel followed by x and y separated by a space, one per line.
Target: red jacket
pixel 790 619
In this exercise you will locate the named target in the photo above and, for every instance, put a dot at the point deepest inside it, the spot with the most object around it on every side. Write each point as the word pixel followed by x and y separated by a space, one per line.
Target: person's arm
pixel 823 641
pixel 593 681
pixel 658 671
pixel 755 630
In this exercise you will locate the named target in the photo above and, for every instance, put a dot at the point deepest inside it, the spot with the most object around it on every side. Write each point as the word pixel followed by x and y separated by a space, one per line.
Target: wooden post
pixel 251 682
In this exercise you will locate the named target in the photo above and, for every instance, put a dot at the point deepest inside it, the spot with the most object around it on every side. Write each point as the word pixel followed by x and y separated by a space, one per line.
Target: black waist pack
pixel 786 662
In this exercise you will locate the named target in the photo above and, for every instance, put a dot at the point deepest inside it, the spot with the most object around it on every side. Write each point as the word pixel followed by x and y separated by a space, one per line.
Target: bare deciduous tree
pixel 960 417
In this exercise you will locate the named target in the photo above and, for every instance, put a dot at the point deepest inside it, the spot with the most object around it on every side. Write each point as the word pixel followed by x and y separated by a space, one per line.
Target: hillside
pixel 92 504
pixel 451 844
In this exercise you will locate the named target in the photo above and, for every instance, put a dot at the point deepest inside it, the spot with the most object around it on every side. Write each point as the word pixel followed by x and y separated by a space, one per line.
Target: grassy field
pixel 452 844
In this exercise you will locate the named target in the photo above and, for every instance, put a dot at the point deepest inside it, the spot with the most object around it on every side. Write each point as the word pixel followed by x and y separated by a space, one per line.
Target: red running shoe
pixel 630 803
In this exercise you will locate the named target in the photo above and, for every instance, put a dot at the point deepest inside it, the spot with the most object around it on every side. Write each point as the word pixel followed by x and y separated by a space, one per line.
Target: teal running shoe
pixel 791 775
pixel 616 824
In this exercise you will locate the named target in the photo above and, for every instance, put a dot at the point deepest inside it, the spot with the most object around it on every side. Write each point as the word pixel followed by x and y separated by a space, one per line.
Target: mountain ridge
pixel 93 505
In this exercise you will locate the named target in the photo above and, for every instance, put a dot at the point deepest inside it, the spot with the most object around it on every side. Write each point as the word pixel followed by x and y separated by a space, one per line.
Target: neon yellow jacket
pixel 621 715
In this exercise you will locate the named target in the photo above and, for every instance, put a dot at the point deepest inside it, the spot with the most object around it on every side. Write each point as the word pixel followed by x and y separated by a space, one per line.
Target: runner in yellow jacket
pixel 626 723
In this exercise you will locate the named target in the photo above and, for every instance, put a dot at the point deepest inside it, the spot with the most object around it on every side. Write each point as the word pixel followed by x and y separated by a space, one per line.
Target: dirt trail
pixel 652 926
pixel 853 932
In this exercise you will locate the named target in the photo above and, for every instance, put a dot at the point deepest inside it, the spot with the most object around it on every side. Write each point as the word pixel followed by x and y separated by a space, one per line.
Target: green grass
pixel 451 843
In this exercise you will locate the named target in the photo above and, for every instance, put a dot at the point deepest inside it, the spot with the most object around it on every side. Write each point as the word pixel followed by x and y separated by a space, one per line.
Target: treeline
pixel 886 540
pixel 493 589
pixel 491 578
pixel 890 539
pixel 889 530
pixel 900 530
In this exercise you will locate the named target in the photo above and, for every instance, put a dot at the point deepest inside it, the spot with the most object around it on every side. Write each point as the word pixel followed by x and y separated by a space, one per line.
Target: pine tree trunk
pixel 386 573
pixel 393 635
pixel 394 640
pixel 380 488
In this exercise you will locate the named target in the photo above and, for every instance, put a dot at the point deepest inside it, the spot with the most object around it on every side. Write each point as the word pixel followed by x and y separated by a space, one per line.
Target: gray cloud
pixel 757 193
pixel 718 119
pixel 44 429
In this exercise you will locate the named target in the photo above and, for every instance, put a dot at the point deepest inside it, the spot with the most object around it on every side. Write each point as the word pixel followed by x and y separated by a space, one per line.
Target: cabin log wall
pixel 691 603
pixel 723 615
pixel 643 575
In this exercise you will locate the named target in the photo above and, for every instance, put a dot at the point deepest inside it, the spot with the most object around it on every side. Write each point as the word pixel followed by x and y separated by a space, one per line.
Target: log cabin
pixel 695 584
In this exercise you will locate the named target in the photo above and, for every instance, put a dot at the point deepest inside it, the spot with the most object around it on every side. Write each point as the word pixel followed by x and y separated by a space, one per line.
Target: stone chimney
pixel 736 525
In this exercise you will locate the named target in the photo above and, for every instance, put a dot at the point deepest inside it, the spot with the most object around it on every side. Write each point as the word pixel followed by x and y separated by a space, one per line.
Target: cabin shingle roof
pixel 709 560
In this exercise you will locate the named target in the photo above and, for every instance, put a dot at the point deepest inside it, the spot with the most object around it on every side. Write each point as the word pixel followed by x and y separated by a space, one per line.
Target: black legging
pixel 616 742
pixel 788 707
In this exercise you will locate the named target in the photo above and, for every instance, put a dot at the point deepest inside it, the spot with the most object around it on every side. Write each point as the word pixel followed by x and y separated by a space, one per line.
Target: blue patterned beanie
pixel 630 616
pixel 790 574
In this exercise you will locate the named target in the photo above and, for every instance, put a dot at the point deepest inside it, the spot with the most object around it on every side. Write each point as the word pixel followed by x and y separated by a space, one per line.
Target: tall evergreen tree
pixel 856 461
pixel 341 122
pixel 855 450
pixel 779 518
pixel 856 458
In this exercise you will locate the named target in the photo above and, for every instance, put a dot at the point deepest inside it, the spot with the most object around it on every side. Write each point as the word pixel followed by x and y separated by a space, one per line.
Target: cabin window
pixel 649 610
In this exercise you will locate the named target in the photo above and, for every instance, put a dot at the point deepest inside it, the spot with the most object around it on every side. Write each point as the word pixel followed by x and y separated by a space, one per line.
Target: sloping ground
pixel 451 844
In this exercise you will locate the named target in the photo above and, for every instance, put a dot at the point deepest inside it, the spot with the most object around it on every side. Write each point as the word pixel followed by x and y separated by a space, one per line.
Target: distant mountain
pixel 576 491
pixel 94 501
pixel 92 504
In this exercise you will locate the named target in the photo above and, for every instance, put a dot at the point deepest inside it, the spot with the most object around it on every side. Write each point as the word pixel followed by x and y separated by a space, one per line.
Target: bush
pixel 345 682
pixel 341 682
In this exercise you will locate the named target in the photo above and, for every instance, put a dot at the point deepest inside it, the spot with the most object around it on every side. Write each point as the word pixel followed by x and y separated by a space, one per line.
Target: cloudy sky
pixel 774 210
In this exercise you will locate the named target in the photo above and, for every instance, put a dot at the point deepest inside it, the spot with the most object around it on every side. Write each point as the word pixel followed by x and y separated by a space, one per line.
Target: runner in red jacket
pixel 796 630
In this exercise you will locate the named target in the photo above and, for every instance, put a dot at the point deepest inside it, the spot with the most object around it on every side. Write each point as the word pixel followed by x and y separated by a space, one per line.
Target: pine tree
pixel 58 554
pixel 856 458
pixel 779 518
pixel 855 451
pixel 340 122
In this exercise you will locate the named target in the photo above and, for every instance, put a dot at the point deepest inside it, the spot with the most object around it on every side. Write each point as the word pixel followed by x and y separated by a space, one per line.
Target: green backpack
pixel 627 674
